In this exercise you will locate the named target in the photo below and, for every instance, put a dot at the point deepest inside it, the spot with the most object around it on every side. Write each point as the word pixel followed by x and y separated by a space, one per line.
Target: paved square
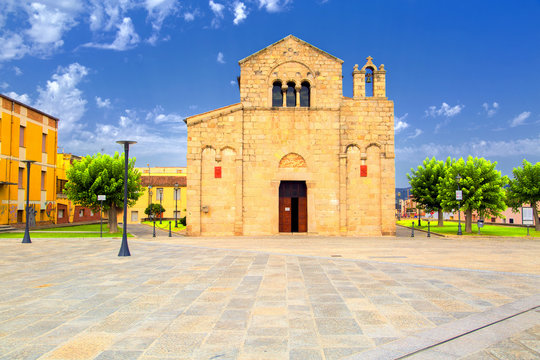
pixel 76 299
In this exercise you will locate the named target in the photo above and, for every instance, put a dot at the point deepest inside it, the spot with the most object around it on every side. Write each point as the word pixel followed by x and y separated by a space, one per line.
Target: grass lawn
pixel 75 231
pixel 165 225
pixel 451 228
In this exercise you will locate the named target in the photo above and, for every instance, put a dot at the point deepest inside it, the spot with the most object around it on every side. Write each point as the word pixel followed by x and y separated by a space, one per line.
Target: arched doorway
pixel 292 206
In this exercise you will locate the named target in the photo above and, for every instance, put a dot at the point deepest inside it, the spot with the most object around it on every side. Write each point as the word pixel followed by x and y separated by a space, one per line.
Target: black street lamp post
pixel 458 179
pixel 124 249
pixel 160 192
pixel 176 205
pixel 26 238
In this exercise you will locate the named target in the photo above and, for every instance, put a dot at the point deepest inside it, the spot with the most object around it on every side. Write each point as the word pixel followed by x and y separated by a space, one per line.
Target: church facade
pixel 294 155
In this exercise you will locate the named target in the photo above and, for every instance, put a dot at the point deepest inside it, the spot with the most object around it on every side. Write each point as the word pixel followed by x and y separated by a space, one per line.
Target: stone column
pixel 239 207
pixel 297 88
pixel 343 194
pixel 274 206
pixel 284 92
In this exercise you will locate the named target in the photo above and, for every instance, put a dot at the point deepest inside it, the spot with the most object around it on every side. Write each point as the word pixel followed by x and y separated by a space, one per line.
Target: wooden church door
pixel 292 206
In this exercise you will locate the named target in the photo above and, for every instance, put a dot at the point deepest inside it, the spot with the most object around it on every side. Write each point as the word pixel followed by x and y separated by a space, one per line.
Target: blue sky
pixel 464 75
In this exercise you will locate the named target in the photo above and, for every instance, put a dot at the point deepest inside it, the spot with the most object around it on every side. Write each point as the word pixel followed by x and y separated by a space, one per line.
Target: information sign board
pixel 459 195
pixel 527 217
pixel 102 197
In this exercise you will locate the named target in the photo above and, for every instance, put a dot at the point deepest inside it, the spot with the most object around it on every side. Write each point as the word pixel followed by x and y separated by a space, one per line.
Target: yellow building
pixel 159 184
pixel 66 211
pixel 26 134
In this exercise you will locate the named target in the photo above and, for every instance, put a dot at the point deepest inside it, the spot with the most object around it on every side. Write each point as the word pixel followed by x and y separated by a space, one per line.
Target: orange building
pixel 26 134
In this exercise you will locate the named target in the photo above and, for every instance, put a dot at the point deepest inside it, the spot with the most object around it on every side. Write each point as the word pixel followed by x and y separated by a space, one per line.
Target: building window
pixel 43 179
pixel 291 95
pixel 511 220
pixel 305 94
pixel 277 95
pixel 493 219
pixel 60 213
pixel 81 212
pixel 159 194
pixel 91 212
pixel 21 136
pixel 21 177
pixel 44 143
pixel 60 184
pixel 134 216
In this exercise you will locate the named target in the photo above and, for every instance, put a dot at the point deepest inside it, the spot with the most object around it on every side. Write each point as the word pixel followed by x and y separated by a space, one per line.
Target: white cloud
pixel 444 110
pixel 48 25
pixel 233 83
pixel 158 116
pixel 189 16
pixel 24 98
pixel 62 98
pixel 483 148
pixel 126 38
pixel 17 70
pixel 13 47
pixel 217 9
pixel 520 119
pixel 220 58
pixel 400 124
pixel 273 5
pixel 103 103
pixel 417 133
pixel 492 109
pixel 240 13
pixel 158 11
pixel 4 85
pixel 153 142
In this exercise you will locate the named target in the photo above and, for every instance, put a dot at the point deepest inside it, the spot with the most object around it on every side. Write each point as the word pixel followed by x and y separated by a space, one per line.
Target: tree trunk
pixel 468 220
pixel 440 220
pixel 536 219
pixel 113 221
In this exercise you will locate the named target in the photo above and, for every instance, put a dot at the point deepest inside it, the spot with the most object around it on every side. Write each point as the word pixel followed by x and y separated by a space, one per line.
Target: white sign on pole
pixel 527 217
pixel 102 197
pixel 459 195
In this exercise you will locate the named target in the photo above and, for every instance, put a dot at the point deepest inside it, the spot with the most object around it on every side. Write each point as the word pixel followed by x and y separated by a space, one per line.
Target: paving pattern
pixel 76 299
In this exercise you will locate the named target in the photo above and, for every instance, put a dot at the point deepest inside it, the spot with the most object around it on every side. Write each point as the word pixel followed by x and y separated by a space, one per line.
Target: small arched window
pixel 277 95
pixel 305 94
pixel 291 95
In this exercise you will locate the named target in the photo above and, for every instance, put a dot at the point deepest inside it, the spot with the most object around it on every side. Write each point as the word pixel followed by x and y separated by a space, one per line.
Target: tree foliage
pixel 482 187
pixel 154 209
pixel 524 188
pixel 99 174
pixel 425 185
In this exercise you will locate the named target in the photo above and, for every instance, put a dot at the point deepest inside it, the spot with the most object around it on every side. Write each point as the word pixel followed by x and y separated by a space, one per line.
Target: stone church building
pixel 294 155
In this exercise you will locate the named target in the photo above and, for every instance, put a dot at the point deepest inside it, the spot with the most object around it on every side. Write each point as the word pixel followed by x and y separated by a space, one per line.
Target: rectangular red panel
pixel 363 170
pixel 217 172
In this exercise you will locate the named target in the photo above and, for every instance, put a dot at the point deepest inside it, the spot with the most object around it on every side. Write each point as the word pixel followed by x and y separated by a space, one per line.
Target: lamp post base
pixel 124 249
pixel 26 238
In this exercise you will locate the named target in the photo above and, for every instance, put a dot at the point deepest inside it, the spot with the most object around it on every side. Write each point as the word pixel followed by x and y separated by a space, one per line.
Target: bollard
pixel 428 233
pixel 528 231
pixel 154 233
pixel 170 233
pixel 412 229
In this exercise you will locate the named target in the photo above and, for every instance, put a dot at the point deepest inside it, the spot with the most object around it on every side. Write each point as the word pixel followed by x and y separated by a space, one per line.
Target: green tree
pixel 525 189
pixel 425 185
pixel 99 174
pixel 482 187
pixel 154 209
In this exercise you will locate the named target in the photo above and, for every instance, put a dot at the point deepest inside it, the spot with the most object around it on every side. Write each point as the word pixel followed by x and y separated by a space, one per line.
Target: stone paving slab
pixel 76 299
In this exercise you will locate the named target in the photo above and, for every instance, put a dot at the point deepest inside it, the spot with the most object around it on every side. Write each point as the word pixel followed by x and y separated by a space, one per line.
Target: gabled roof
pixel 298 40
